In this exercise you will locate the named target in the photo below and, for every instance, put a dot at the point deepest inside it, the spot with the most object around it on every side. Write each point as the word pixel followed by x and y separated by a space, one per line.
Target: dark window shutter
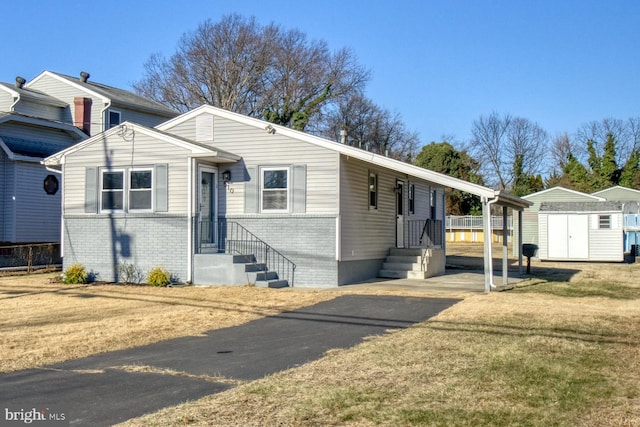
pixel 161 188
pixel 299 188
pixel 91 190
pixel 251 192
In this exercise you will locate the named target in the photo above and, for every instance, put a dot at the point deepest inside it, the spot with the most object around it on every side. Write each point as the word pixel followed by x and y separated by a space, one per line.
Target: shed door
pixel 568 236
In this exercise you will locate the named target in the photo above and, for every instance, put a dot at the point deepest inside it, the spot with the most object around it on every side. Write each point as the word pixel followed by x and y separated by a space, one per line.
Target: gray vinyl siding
pixel 66 93
pixel 367 233
pixel 619 194
pixel 259 148
pixel 49 112
pixel 37 214
pixel 144 151
pixel 543 236
pixel 128 115
pixel 6 101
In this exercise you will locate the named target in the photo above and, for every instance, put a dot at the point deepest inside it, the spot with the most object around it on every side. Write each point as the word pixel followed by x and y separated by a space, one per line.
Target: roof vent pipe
pixel 20 81
pixel 84 76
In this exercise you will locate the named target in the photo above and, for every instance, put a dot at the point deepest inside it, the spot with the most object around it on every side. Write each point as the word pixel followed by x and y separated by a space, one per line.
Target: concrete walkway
pixel 454 283
pixel 109 388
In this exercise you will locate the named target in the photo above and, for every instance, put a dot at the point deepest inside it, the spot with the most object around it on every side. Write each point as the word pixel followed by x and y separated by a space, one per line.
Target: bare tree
pixel 559 150
pixel 261 71
pixel 489 140
pixel 508 147
pixel 370 127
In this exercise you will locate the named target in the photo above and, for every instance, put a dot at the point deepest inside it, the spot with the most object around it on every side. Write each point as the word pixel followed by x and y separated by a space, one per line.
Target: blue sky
pixel 439 64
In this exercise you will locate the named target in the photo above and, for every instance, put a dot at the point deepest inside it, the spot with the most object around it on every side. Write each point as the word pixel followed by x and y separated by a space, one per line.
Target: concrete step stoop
pixel 404 264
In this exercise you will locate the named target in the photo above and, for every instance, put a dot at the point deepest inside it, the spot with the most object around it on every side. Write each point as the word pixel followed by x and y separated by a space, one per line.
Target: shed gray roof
pixel 122 97
pixel 34 95
pixel 605 206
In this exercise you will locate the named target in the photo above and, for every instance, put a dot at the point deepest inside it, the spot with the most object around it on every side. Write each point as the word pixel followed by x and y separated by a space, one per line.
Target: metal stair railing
pixel 233 238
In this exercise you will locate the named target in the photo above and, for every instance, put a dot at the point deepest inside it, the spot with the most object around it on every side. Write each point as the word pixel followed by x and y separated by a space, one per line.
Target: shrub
pixel 158 276
pixel 75 274
pixel 129 273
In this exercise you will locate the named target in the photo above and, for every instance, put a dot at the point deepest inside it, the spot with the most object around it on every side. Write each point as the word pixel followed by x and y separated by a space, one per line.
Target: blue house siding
pixel 102 242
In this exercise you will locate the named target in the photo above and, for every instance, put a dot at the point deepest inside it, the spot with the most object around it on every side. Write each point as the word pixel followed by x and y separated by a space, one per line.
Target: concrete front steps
pixel 407 263
pixel 227 269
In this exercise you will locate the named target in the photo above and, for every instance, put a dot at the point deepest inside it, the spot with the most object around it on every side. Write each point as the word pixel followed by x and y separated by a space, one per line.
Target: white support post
pixel 505 250
pixel 519 249
pixel 486 227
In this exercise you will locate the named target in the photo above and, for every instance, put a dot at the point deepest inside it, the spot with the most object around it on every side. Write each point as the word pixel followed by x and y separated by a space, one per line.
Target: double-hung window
pixel 112 190
pixel 274 187
pixel 140 189
pixel 126 190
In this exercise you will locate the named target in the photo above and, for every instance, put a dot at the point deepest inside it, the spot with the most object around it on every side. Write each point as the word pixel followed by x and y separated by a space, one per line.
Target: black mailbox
pixel 529 250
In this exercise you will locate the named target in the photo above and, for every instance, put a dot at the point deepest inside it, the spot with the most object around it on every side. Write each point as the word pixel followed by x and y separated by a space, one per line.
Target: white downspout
pixel 189 219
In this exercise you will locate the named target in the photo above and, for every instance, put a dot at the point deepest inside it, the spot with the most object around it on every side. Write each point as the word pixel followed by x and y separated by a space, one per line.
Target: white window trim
pixel 129 189
pixel 101 189
pixel 108 118
pixel 411 202
pixel 264 169
pixel 126 190
pixel 376 190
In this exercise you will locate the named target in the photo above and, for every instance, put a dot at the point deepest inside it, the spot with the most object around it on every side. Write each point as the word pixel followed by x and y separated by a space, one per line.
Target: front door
pixel 568 236
pixel 207 207
pixel 400 214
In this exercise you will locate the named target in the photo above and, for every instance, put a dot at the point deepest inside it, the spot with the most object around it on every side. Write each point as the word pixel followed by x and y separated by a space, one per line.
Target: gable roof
pixel 116 96
pixel 31 95
pixel 500 197
pixel 616 189
pixel 563 189
pixel 197 150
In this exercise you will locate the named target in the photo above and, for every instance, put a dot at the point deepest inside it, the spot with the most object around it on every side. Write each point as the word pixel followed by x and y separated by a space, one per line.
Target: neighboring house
pixel 580 231
pixel 44 116
pixel 220 198
pixel 530 227
pixel 95 107
pixel 30 130
pixel 631 211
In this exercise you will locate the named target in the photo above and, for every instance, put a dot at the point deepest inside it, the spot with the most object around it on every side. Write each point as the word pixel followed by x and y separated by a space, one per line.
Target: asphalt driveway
pixel 98 391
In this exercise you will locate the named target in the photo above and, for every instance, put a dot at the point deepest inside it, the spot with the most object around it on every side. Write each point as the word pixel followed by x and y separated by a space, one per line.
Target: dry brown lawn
pixel 43 322
pixel 561 348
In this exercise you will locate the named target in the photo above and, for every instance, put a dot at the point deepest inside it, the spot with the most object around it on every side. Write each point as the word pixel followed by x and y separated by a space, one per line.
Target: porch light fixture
pixel 226 176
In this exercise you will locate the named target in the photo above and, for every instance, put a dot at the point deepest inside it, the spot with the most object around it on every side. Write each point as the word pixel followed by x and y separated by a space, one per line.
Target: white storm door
pixel 399 214
pixel 207 206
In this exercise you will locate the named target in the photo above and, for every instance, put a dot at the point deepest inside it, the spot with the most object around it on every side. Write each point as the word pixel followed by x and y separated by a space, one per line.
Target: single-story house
pixel 221 198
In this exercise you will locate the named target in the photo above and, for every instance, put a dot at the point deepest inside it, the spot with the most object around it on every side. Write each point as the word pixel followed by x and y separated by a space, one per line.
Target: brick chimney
pixel 82 114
